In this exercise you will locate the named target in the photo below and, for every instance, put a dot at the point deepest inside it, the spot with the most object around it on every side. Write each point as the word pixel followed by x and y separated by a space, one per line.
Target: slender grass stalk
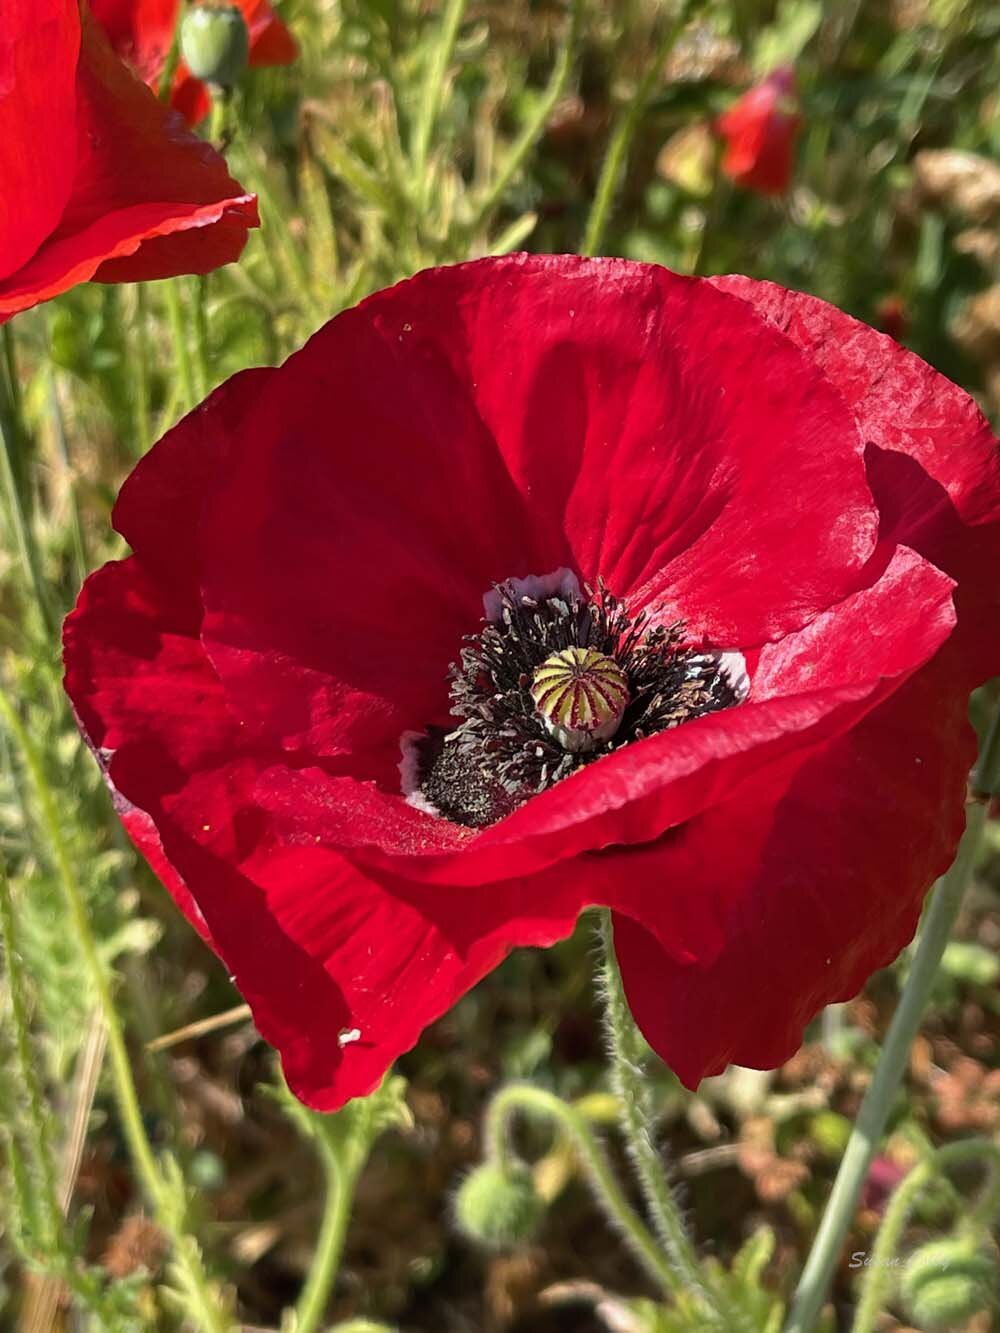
pixel 518 1097
pixel 179 337
pixel 631 1087
pixel 876 1280
pixel 874 1111
pixel 27 1070
pixel 432 92
pixel 141 405
pixel 535 125
pixel 12 436
pixel 79 546
pixel 166 1201
pixel 624 132
pixel 202 354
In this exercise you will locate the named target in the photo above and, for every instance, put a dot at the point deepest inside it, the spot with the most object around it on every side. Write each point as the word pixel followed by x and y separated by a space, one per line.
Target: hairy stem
pixel 341 1177
pixel 608 1192
pixel 874 1290
pixel 625 1048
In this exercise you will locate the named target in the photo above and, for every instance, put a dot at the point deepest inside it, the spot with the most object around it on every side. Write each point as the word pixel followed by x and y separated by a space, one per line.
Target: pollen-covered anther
pixel 580 695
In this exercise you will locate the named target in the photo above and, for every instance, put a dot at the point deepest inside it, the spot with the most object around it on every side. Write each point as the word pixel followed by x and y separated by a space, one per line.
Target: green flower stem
pixel 432 92
pixel 623 134
pixel 179 337
pixel 163 1196
pixel 938 923
pixel 625 1048
pixel 876 1280
pixel 341 1169
pixel 536 1101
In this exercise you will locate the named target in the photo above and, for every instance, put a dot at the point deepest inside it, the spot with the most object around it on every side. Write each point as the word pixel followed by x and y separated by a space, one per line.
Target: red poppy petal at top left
pixel 126 193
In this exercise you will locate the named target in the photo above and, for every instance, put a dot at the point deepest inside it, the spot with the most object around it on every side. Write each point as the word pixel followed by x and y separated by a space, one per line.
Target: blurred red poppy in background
pixel 142 31
pixel 100 181
pixel 364 703
pixel 760 130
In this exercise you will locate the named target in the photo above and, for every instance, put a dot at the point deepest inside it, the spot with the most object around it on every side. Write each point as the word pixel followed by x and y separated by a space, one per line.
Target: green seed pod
pixel 215 44
pixel 498 1207
pixel 946 1282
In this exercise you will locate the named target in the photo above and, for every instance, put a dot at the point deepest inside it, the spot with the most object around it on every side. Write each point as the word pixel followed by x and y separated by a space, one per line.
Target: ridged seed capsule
pixel 580 696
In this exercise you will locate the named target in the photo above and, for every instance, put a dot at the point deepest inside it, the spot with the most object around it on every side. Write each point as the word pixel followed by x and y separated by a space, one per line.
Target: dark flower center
pixel 552 683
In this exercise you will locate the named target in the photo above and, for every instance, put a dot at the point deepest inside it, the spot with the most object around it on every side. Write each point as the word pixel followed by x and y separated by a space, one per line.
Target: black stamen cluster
pixel 500 754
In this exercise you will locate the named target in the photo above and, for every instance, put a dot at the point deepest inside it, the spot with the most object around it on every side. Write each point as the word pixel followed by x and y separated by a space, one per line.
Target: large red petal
pixel 321 949
pixel 39 47
pixel 807 689
pixel 512 416
pixel 801 888
pixel 135 668
pixel 149 199
pixel 322 946
pixel 933 461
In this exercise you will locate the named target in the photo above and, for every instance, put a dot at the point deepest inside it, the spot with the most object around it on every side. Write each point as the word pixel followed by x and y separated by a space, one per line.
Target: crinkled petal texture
pixel 141 32
pixel 128 194
pixel 310 546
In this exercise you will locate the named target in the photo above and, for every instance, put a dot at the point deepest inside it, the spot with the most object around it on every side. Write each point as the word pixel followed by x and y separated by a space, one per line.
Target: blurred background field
pixel 411 133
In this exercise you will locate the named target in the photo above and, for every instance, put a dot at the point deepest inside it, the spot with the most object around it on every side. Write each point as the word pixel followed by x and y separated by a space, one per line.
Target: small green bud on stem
pixel 946 1282
pixel 498 1206
pixel 215 44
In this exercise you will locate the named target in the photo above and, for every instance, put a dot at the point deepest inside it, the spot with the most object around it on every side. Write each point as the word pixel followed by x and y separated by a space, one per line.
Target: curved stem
pixel 870 1125
pixel 204 1307
pixel 624 133
pixel 625 1047
pixel 593 1159
pixel 876 1281
pixel 340 1181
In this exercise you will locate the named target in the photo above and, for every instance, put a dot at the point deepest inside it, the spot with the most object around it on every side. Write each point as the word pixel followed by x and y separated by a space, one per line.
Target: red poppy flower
pixel 122 192
pixel 806 515
pixel 760 130
pixel 142 32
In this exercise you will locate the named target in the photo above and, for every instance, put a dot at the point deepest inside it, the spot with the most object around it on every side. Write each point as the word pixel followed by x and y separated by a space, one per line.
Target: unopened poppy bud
pixel 498 1206
pixel 580 695
pixel 946 1282
pixel 215 44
